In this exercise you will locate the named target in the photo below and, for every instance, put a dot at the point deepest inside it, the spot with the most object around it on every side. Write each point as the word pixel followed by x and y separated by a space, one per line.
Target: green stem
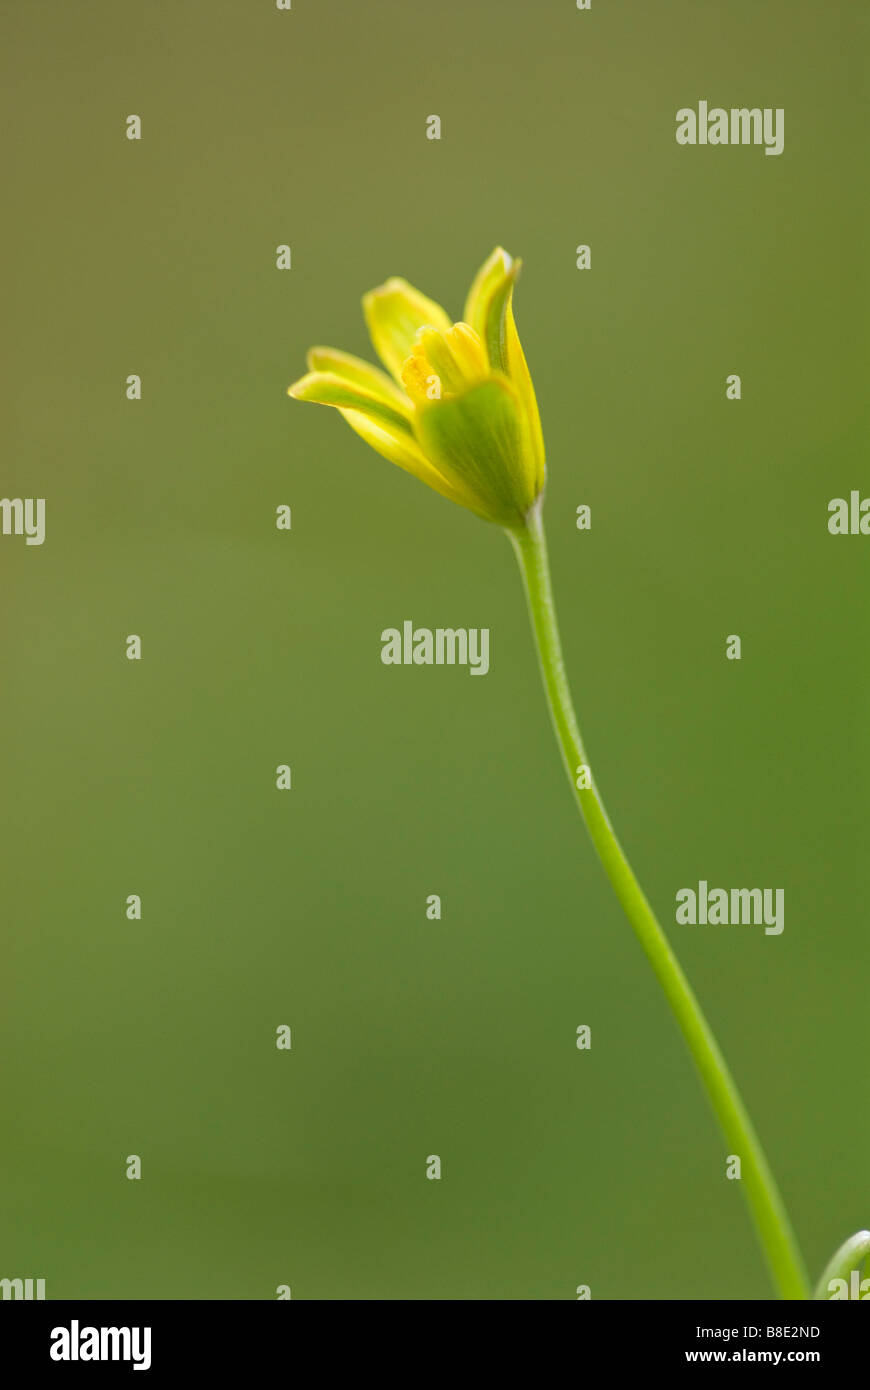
pixel 851 1255
pixel 769 1214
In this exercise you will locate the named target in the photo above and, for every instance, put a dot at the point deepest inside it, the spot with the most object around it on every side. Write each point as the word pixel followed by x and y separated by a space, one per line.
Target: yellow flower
pixel 458 409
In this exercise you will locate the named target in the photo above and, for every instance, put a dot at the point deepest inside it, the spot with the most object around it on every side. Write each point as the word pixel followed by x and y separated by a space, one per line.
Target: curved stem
pixel 769 1214
pixel 849 1257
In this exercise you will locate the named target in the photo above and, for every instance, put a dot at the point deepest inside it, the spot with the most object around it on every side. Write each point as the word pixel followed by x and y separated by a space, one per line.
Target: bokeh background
pixel 261 647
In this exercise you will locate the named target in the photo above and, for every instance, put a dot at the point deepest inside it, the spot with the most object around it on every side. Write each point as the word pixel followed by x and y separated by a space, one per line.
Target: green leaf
pixel 479 440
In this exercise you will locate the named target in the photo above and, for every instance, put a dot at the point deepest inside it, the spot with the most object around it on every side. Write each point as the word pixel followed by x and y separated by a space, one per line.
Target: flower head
pixel 458 408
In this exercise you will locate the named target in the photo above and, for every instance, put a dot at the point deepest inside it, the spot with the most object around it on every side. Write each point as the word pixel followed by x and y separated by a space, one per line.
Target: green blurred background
pixel 261 647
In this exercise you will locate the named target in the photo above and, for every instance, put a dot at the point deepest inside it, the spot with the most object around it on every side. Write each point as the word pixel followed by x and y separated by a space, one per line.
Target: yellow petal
pixel 493 270
pixel 380 424
pixel 325 388
pixel 395 312
pixel 407 455
pixel 489 310
pixel 354 369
